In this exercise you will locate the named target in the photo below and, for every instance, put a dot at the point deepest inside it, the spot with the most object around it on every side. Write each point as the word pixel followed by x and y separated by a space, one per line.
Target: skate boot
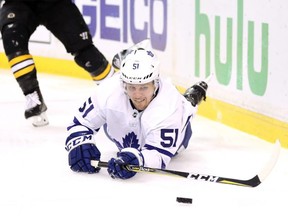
pixel 118 58
pixel 36 108
pixel 196 93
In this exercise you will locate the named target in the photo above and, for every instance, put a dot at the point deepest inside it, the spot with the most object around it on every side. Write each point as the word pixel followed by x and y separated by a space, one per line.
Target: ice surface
pixel 35 178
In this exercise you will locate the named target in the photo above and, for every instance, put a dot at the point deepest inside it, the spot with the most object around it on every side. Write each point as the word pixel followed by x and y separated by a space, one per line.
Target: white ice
pixel 36 180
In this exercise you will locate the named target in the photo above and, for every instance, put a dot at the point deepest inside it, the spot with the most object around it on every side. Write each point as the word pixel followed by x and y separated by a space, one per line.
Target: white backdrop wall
pixel 242 43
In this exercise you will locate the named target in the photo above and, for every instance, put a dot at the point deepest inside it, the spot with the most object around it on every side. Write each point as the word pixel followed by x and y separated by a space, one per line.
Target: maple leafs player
pixel 20 18
pixel 142 113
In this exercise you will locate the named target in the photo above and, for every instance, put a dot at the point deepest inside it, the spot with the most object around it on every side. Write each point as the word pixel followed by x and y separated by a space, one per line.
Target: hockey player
pixel 142 113
pixel 20 18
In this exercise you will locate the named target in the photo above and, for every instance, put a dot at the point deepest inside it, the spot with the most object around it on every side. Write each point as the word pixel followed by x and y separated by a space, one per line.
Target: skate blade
pixel 39 120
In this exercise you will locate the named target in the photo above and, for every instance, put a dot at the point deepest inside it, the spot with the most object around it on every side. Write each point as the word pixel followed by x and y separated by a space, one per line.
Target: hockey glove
pixel 128 156
pixel 196 93
pixel 82 150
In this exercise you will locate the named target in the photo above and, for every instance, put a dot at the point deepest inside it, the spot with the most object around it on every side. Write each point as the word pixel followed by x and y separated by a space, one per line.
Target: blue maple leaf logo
pixel 130 140
pixel 150 53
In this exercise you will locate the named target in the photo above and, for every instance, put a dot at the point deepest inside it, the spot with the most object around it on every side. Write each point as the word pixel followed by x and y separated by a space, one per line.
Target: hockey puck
pixel 184 200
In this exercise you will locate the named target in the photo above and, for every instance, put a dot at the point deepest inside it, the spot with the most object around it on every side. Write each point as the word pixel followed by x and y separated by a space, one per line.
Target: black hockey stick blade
pixel 252 182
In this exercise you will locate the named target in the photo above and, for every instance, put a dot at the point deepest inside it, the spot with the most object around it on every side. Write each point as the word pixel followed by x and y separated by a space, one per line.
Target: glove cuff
pixel 78 140
pixel 135 152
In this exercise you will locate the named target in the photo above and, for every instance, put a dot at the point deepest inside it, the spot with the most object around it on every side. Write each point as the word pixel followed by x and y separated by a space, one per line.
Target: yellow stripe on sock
pixel 24 71
pixel 18 59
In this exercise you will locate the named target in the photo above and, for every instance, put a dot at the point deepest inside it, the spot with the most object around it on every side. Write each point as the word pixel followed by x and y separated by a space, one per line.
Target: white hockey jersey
pixel 159 131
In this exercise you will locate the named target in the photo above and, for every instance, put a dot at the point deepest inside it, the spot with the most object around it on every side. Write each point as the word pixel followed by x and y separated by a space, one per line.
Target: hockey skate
pixel 35 109
pixel 119 57
pixel 196 93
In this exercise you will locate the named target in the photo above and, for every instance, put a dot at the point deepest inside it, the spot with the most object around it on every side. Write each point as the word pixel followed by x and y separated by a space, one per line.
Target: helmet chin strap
pixel 124 85
pixel 156 84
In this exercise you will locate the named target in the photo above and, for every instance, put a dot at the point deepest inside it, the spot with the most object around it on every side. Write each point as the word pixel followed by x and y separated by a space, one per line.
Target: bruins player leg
pixel 66 23
pixel 17 23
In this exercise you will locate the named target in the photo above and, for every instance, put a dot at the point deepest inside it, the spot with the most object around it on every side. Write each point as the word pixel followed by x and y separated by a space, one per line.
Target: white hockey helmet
pixel 140 66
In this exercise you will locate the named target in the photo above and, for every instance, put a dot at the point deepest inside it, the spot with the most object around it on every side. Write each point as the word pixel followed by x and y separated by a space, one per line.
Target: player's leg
pixel 66 22
pixel 17 24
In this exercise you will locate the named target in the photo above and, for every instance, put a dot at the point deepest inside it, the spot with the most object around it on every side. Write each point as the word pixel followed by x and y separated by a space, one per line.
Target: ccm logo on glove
pixel 77 141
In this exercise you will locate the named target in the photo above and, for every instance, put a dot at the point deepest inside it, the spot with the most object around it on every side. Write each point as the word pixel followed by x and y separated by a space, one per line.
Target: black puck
pixel 184 200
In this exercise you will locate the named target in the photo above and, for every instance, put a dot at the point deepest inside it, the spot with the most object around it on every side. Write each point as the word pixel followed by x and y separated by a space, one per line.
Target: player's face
pixel 140 94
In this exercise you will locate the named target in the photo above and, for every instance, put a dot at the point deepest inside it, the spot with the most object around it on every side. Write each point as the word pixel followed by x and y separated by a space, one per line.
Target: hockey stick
pixel 252 182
